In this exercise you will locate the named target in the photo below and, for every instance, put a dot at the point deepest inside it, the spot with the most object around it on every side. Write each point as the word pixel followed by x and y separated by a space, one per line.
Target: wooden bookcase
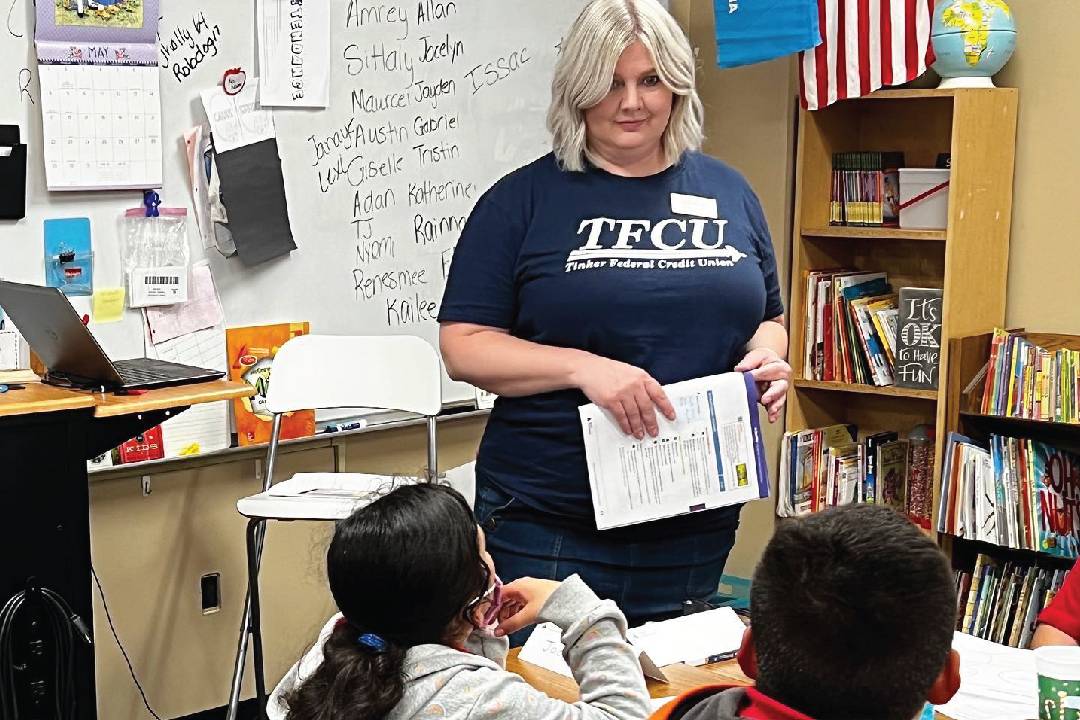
pixel 963 414
pixel 968 259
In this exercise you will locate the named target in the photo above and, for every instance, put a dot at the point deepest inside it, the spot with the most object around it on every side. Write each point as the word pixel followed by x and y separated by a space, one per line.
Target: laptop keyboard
pixel 137 372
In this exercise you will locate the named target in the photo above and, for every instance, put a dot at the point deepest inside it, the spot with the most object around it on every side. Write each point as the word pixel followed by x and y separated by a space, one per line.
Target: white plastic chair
pixel 323 372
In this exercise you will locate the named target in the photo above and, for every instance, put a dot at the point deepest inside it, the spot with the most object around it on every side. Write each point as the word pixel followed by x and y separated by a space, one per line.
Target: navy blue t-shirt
pixel 602 263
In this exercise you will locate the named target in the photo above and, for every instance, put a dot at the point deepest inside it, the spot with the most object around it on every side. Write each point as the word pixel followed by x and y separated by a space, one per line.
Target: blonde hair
pixel 586 66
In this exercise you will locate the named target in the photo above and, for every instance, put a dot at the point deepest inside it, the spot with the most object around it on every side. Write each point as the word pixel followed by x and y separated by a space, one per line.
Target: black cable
pixel 62 623
pixel 112 627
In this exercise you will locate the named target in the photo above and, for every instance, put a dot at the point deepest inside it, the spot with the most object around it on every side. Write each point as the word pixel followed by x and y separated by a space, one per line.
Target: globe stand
pixel 966 81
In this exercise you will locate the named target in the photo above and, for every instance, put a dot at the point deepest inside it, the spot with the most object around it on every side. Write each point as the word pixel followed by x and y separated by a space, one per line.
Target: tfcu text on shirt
pixel 672 243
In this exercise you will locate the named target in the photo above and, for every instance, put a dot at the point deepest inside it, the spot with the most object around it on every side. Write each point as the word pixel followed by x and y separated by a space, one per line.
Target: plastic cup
pixel 1059 682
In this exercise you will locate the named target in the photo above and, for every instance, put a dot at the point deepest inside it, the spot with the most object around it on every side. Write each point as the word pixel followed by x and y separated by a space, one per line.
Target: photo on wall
pixel 100 13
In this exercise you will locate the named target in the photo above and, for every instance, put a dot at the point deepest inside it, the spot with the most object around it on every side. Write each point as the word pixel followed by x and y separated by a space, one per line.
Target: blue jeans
pixel 649 579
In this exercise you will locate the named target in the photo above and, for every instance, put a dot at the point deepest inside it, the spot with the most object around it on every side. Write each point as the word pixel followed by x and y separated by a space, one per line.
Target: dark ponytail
pixel 402 568
pixel 352 681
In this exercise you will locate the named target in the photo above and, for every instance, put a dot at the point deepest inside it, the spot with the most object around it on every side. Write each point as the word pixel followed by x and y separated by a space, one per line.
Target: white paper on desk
pixel 201 428
pixel 709 457
pixel 544 648
pixel 237 120
pixel 202 309
pixel 691 639
pixel 995 682
pixel 294 53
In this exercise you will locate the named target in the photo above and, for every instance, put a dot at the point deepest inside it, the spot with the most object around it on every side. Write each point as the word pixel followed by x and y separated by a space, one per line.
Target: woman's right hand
pixel 629 393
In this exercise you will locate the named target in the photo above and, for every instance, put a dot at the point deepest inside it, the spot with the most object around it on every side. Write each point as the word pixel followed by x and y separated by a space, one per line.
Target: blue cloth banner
pixel 752 31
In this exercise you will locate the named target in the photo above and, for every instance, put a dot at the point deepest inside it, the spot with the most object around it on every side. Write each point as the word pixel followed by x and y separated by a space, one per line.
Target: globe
pixel 972 39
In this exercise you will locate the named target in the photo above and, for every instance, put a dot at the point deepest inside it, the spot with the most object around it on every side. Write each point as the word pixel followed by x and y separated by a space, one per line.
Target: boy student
pixel 853 612
pixel 1059 623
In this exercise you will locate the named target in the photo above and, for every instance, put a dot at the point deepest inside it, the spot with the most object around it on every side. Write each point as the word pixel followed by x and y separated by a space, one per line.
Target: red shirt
pixel 756 706
pixel 763 707
pixel 1063 612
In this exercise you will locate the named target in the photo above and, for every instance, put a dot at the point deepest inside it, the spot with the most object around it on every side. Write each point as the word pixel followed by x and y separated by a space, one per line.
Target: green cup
pixel 1059 682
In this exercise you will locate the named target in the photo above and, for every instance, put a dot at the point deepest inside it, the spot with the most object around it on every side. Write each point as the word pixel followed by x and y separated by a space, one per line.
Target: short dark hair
pixel 403 568
pixel 853 612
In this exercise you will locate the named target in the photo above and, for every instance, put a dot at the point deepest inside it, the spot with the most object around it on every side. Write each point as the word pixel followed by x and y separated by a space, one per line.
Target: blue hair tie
pixel 372 642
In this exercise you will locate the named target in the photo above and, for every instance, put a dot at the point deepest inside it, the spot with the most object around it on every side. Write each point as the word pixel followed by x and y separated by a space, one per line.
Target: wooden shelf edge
pixel 999 550
pixel 903 93
pixel 887 391
pixel 1009 420
pixel 873 233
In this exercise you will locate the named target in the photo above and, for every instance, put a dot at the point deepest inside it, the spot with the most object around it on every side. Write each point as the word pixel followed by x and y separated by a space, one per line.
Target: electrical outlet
pixel 210 588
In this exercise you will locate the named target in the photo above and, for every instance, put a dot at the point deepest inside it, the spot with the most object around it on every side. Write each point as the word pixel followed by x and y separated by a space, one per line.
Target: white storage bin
pixel 930 213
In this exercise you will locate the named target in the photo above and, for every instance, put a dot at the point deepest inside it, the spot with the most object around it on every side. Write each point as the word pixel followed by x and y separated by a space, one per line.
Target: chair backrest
pixel 381 372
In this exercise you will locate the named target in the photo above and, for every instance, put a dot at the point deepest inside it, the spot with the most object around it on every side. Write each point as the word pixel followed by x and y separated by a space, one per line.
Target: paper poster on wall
pixel 100 93
pixel 294 53
pixel 250 353
pixel 237 120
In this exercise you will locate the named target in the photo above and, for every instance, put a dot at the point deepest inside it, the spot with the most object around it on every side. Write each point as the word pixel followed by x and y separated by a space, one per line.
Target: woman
pixel 620 262
pixel 419 599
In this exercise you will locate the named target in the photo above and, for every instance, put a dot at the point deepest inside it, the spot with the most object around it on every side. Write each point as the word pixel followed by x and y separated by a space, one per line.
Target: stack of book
pixel 1015 493
pixel 829 466
pixel 1024 380
pixel 851 320
pixel 866 189
pixel 1001 602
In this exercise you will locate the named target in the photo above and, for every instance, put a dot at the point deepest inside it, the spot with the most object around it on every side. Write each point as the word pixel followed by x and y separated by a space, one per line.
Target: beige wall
pixel 1044 288
pixel 151 551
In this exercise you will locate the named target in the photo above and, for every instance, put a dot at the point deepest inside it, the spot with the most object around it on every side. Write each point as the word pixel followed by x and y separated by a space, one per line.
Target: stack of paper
pixel 695 639
pixel 710 456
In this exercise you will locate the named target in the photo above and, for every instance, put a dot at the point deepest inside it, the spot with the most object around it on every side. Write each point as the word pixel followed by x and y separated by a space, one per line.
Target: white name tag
pixel 694 205
pixel 158 286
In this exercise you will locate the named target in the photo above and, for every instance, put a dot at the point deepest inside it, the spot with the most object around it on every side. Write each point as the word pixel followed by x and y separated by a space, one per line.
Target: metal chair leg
pixel 255 532
pixel 432 450
pixel 255 557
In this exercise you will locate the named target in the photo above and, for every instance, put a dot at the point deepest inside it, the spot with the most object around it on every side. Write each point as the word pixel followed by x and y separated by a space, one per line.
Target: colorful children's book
pixel 251 352
pixel 892 469
pixel 1057 489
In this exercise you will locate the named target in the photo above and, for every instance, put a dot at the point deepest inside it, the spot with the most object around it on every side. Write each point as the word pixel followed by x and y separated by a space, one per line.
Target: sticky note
pixel 108 305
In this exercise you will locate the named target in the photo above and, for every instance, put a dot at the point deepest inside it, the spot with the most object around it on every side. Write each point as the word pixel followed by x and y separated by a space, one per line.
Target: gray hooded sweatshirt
pixel 444 683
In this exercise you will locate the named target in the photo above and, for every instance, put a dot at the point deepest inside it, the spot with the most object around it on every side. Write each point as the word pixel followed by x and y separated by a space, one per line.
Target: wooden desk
pixel 112 405
pixel 46 436
pixel 37 397
pixel 683 678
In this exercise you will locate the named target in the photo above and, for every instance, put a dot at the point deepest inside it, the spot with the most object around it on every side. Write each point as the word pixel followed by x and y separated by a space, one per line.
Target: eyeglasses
pixel 493 596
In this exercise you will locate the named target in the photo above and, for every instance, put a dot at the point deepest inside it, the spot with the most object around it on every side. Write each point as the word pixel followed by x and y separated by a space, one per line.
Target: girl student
pixel 423 624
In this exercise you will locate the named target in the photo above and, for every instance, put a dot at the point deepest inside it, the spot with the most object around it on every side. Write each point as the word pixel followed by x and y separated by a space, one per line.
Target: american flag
pixel 865 44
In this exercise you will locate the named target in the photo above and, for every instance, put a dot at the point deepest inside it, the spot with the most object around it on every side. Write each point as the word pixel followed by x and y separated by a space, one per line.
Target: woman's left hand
pixel 772 374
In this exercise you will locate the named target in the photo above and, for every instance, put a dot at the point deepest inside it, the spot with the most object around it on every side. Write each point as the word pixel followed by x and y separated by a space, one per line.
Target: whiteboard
pixel 424 115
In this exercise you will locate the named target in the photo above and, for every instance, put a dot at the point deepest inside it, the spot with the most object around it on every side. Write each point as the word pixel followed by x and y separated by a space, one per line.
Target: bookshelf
pixel 963 392
pixel 968 259
pixel 963 410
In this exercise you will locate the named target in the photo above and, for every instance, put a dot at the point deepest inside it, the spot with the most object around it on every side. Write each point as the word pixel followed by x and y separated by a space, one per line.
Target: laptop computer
pixel 45 317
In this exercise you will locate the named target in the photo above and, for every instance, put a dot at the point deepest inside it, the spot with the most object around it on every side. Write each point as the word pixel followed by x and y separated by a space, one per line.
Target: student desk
pixel 683 678
pixel 46 436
